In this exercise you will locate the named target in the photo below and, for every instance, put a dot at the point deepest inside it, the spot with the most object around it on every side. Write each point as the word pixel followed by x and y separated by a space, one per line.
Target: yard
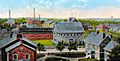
pixel 44 42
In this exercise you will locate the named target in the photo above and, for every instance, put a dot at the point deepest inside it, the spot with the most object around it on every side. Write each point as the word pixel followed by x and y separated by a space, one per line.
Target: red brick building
pixel 37 33
pixel 15 49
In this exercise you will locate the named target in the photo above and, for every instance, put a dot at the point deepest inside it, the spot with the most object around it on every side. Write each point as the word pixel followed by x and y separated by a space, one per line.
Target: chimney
pixel 11 34
pixel 104 35
pixel 97 32
pixel 19 36
pixel 111 36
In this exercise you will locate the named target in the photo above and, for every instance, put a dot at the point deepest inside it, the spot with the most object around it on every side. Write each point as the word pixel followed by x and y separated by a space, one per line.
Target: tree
pixel 23 20
pixel 2 21
pixel 40 47
pixel 72 45
pixel 60 46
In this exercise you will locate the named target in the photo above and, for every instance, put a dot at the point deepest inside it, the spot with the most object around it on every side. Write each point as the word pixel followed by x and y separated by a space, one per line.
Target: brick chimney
pixel 104 35
pixel 19 36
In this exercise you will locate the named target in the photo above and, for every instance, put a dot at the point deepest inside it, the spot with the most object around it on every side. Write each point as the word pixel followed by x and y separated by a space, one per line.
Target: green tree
pixel 60 46
pixel 40 47
pixel 23 20
pixel 72 45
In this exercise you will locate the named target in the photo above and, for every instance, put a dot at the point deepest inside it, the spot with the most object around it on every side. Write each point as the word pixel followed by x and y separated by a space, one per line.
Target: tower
pixel 9 14
pixel 34 13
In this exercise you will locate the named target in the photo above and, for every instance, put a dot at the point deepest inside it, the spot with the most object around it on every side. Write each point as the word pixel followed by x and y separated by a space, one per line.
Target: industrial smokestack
pixel 9 14
pixel 34 13
pixel 39 17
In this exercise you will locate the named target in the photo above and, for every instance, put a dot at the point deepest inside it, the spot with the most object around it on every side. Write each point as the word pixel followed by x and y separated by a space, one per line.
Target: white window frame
pixel 28 56
pixel 14 55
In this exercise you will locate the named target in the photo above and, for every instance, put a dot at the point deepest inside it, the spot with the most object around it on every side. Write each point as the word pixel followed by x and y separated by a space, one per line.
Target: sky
pixel 60 8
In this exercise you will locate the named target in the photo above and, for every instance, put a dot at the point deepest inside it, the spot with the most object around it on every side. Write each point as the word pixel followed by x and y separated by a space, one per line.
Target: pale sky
pixel 61 8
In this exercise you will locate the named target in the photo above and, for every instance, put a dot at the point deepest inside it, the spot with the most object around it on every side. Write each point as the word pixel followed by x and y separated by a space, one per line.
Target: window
pixel 27 56
pixel 15 56
pixel 72 34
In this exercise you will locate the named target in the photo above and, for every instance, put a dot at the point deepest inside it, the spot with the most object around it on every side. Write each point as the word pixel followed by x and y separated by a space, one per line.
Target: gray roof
pixel 95 38
pixel 68 27
pixel 32 26
pixel 112 44
pixel 114 25
pixel 49 21
pixel 9 40
pixel 6 41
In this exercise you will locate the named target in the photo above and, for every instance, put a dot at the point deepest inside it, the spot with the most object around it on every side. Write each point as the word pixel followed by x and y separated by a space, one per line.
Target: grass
pixel 44 42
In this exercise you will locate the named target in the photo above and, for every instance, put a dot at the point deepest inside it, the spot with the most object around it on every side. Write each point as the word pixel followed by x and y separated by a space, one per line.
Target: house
pixel 37 33
pixel 30 21
pixel 102 28
pixel 48 24
pixel 67 31
pixel 114 27
pixel 17 48
pixel 112 44
pixel 95 42
pixel 38 23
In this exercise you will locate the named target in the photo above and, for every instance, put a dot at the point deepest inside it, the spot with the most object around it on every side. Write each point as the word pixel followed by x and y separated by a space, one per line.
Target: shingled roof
pixel 9 40
pixel 112 44
pixel 95 38
pixel 68 27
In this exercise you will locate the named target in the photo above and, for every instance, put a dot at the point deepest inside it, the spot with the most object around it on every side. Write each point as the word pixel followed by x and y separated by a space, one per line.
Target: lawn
pixel 44 42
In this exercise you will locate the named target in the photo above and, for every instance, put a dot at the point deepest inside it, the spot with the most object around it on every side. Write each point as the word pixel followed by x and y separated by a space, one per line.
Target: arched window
pixel 27 56
pixel 15 57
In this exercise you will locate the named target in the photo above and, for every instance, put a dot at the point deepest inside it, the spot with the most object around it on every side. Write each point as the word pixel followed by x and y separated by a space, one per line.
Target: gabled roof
pixel 112 44
pixel 95 38
pixel 35 29
pixel 68 27
pixel 9 40
pixel 114 25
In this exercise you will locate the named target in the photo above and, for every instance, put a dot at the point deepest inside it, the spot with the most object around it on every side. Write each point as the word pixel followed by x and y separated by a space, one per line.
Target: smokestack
pixel 9 14
pixel 34 13
pixel 39 17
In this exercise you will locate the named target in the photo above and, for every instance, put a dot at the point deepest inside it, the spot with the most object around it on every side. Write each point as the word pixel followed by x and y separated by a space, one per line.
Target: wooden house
pixel 68 31
pixel 95 43
pixel 17 49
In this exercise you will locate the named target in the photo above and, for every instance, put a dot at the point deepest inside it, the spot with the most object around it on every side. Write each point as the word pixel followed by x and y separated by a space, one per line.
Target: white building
pixel 68 31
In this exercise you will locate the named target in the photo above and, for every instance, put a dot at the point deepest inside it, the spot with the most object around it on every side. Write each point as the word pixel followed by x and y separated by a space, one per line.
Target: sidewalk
pixel 57 51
